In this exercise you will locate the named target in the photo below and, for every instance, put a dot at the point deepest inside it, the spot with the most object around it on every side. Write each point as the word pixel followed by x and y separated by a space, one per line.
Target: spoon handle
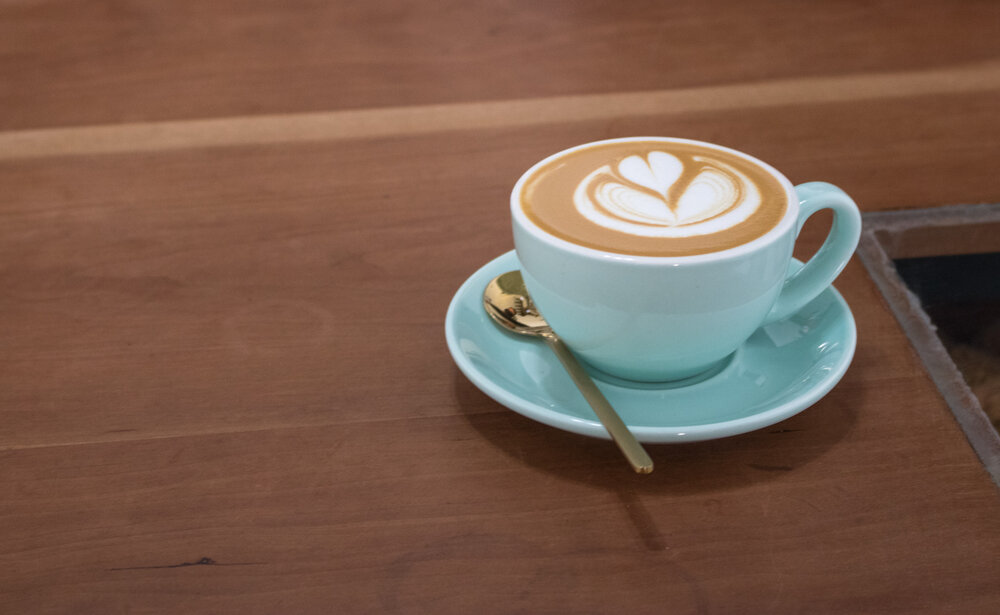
pixel 630 447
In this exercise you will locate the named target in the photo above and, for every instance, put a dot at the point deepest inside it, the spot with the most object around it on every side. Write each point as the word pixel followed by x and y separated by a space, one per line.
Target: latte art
pixel 655 197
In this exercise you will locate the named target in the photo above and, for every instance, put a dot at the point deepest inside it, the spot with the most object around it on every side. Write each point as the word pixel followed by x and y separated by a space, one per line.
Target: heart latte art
pixel 656 198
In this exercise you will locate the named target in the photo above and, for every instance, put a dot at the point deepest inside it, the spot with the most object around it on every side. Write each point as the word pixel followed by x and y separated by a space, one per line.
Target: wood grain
pixel 300 519
pixel 229 233
pixel 107 62
pixel 868 89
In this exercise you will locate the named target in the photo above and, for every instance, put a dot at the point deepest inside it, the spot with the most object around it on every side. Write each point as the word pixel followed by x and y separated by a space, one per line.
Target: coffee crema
pixel 653 198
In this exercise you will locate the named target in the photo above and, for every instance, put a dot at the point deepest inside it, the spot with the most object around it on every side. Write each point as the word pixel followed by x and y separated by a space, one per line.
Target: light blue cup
pixel 656 319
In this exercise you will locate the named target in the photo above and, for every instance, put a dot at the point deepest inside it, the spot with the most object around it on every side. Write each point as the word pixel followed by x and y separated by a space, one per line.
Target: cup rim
pixel 787 222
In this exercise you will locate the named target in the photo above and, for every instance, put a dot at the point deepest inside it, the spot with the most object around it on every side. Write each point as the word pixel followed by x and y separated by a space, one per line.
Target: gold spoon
pixel 507 302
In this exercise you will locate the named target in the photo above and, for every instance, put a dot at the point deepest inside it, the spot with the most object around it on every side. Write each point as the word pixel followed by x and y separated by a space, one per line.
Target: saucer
pixel 783 368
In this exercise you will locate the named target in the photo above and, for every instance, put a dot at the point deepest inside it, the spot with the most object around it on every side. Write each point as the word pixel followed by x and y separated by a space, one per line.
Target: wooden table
pixel 229 233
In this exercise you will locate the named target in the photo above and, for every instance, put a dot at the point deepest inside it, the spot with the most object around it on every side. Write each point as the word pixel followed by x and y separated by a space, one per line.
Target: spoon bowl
pixel 507 301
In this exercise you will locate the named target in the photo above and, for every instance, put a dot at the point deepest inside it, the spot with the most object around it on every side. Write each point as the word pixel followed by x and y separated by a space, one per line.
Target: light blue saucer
pixel 781 370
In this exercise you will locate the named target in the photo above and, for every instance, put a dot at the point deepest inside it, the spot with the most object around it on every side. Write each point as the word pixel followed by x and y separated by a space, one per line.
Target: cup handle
pixel 819 271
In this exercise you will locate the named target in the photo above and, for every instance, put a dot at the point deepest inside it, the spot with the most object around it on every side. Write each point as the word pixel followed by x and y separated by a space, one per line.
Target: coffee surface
pixel 654 198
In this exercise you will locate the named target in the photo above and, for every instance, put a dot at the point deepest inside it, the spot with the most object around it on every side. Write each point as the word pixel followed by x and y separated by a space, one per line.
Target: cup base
pixel 700 376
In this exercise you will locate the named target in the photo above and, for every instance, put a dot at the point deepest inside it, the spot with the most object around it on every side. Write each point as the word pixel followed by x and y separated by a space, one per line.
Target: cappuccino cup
pixel 655 258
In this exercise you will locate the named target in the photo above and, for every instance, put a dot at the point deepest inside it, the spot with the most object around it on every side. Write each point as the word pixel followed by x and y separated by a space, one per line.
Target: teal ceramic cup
pixel 667 318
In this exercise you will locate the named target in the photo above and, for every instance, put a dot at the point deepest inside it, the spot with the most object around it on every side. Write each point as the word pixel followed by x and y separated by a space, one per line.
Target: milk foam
pixel 657 196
